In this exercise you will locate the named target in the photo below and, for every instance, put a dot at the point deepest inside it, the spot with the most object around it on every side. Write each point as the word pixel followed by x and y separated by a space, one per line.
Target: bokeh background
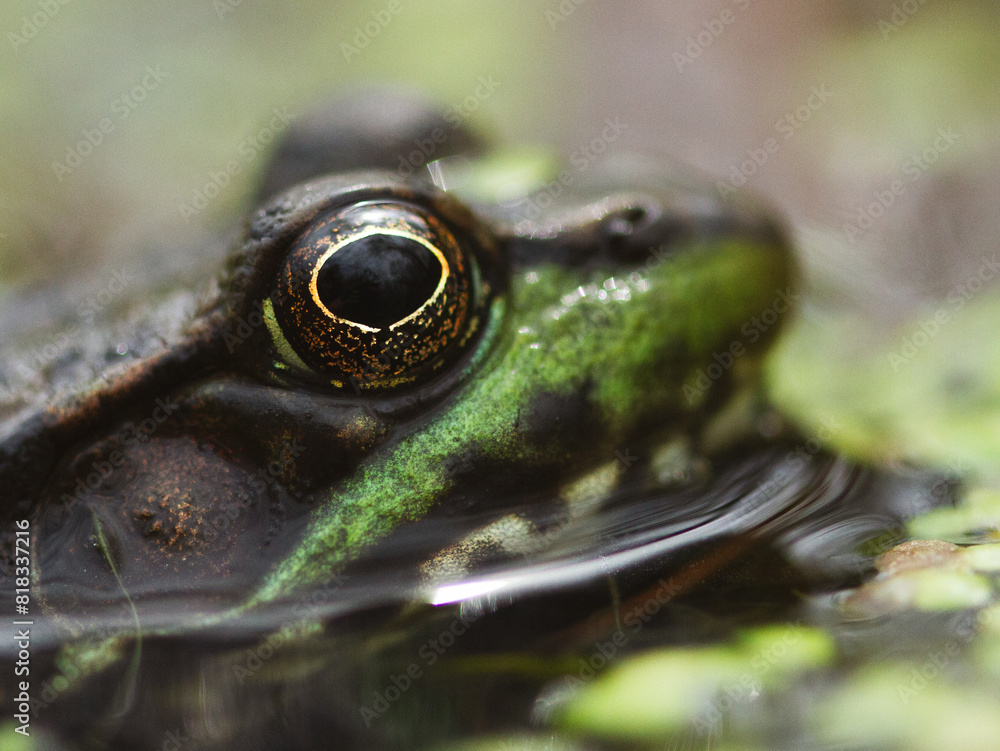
pixel 820 107
pixel 709 82
pixel 870 125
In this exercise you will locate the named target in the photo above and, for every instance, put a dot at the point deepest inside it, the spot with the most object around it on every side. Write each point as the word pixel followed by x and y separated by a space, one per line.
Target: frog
pixel 382 354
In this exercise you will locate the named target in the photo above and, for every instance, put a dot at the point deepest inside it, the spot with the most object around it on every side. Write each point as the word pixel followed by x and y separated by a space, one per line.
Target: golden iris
pixel 376 294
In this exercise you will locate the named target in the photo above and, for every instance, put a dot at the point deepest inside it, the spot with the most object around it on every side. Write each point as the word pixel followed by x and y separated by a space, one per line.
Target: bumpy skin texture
pixel 585 341
pixel 572 378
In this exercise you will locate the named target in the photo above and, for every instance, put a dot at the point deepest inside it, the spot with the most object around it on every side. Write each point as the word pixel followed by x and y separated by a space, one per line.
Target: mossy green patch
pixel 779 650
pixel 673 691
pixel 904 705
pixel 937 404
pixel 519 742
pixel 657 693
pixel 12 740
pixel 975 519
pixel 948 590
pixel 628 340
pixel 983 558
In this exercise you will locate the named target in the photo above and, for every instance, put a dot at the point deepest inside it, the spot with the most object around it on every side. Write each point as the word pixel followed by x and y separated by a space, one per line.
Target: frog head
pixel 378 352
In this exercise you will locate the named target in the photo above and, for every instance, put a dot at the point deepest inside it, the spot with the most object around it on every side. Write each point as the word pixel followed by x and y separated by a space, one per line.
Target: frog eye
pixel 376 294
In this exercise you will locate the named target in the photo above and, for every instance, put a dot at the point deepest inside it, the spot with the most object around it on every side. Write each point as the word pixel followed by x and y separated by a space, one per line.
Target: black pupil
pixel 378 280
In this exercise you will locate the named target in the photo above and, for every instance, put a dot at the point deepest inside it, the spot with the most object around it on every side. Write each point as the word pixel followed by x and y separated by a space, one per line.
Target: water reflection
pixel 380 659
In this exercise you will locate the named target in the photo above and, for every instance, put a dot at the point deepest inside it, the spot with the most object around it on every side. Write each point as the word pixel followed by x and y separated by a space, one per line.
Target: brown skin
pixel 202 436
pixel 180 471
pixel 176 425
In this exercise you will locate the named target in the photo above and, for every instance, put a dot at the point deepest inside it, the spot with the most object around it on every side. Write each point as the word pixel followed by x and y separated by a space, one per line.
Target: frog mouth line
pixel 237 408
pixel 816 510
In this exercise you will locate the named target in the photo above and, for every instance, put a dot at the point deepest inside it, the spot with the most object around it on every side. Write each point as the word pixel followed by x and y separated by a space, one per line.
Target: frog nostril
pixel 636 214
pixel 632 233
pixel 624 223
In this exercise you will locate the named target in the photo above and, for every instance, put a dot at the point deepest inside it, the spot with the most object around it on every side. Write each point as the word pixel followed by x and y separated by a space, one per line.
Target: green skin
pixel 639 361
pixel 631 357
pixel 558 381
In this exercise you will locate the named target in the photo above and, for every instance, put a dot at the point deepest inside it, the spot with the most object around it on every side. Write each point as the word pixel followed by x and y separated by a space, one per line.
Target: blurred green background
pixel 820 107
pixel 707 81
pixel 224 65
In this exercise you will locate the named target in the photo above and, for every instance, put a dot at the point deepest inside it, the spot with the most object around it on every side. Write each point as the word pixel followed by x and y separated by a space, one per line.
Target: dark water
pixel 375 659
